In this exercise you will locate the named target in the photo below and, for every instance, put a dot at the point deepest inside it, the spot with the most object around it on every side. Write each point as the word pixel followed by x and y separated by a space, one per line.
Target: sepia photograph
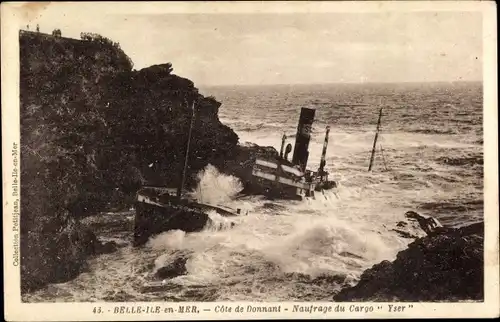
pixel 313 157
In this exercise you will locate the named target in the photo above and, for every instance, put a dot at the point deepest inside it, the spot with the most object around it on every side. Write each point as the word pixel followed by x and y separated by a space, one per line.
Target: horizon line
pixel 340 83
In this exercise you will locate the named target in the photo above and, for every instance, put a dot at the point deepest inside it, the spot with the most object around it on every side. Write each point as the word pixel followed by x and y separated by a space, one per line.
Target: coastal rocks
pixel 176 268
pixel 151 107
pixel 92 245
pixel 107 248
pixel 445 266
pixel 319 280
pixel 408 229
pixel 171 265
pixel 57 257
pixel 129 127
pixel 61 254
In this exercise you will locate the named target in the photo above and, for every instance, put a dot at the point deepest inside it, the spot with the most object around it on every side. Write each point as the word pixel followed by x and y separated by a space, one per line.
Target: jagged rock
pixel 427 223
pixel 175 269
pixel 57 252
pixel 171 265
pixel 408 229
pixel 401 224
pixel 90 128
pixel 446 266
pixel 405 234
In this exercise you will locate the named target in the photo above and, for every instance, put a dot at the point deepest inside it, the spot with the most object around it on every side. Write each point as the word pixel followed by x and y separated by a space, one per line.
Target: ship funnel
pixel 301 152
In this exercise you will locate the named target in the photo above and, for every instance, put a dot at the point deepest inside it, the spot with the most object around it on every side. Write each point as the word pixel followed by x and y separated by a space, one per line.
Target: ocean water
pixel 432 163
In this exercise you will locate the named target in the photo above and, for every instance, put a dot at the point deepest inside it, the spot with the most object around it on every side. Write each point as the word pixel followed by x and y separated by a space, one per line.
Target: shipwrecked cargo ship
pixel 159 209
pixel 279 178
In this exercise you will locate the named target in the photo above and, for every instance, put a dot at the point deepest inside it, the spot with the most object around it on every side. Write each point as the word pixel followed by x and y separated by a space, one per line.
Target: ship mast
pixel 186 156
pixel 322 163
pixel 375 140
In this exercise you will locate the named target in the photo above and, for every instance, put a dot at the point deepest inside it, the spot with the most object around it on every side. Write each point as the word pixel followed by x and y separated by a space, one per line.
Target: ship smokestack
pixel 300 152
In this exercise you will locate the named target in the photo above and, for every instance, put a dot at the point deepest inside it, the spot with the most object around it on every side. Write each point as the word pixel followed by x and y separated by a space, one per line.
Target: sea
pixel 429 159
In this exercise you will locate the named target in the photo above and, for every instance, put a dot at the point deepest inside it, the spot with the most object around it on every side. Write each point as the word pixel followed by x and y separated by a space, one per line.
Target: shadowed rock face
pixel 57 256
pixel 92 131
pixel 446 266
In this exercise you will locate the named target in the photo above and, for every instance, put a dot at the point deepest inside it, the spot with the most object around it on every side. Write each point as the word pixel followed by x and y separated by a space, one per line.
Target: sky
pixel 291 48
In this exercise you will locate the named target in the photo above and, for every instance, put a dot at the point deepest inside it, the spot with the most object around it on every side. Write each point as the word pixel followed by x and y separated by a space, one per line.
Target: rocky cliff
pixel 447 266
pixel 92 131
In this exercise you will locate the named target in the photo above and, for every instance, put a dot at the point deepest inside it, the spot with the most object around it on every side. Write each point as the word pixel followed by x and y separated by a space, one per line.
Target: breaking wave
pixel 214 187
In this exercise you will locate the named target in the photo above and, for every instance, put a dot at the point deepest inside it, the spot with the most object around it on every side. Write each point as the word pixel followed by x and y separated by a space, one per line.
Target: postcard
pixel 249 160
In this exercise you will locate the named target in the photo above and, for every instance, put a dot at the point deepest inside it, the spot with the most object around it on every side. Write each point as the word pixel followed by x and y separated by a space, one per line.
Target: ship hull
pixel 157 211
pixel 152 219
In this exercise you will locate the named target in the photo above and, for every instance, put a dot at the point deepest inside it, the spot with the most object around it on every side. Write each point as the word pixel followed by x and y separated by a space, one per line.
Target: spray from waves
pixel 267 257
pixel 175 239
pixel 215 187
pixel 337 247
pixel 217 222
pixel 172 239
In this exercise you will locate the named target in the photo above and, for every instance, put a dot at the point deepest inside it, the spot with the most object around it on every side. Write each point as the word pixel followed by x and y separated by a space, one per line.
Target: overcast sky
pixel 227 49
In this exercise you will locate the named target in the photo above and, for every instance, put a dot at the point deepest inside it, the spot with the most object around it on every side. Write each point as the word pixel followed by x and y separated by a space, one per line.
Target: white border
pixel 15 310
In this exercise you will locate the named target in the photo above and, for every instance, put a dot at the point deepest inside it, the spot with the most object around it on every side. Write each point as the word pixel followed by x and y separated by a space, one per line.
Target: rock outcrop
pixel 445 266
pixel 171 265
pixel 92 131
pixel 57 252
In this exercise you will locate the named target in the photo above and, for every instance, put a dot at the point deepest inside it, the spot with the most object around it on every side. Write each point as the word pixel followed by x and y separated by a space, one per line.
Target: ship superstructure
pixel 281 178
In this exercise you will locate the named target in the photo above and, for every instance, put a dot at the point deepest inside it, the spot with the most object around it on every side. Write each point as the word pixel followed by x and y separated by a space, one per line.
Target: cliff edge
pixel 93 130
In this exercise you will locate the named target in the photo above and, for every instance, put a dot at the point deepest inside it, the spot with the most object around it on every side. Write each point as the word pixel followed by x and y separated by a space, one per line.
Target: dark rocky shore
pixel 446 266
pixel 93 130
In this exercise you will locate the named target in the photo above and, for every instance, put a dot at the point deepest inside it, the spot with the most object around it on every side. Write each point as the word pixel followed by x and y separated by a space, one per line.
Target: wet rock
pixel 404 234
pixel 336 279
pixel 174 269
pixel 171 265
pixel 408 229
pixel 445 266
pixel 107 247
pixel 59 256
pixel 401 224
pixel 476 228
